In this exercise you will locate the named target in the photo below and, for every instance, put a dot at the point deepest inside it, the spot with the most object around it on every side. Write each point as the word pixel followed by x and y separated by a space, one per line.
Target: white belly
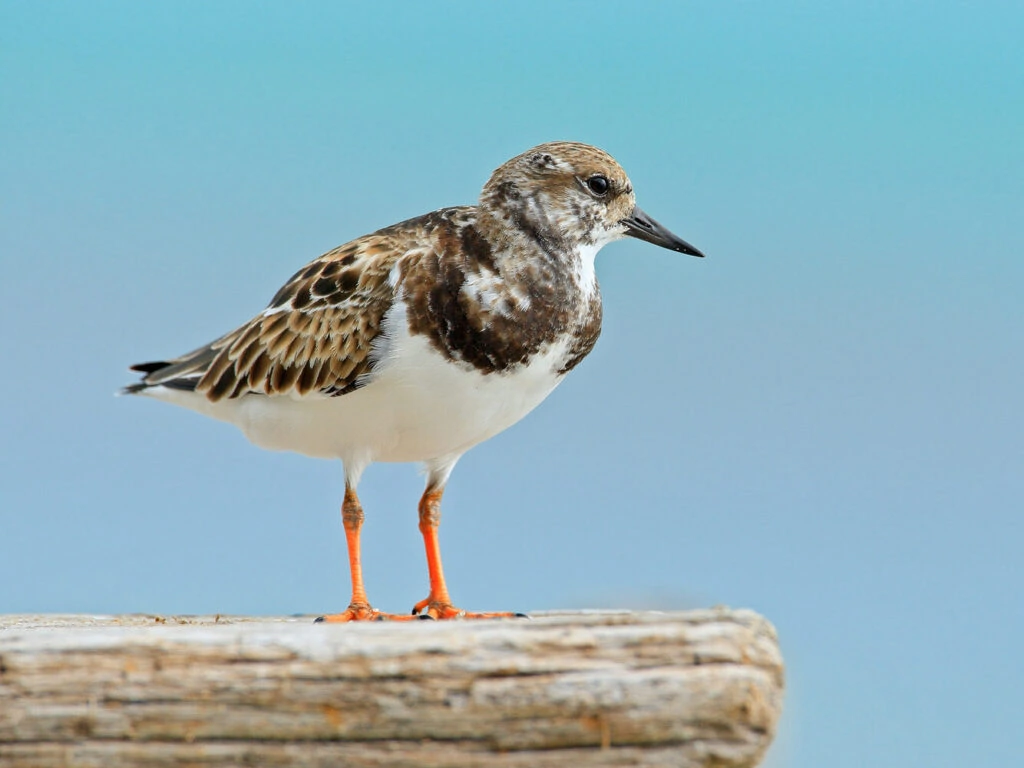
pixel 418 407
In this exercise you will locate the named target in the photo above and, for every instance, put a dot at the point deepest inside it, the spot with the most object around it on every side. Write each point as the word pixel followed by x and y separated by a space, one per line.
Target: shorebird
pixel 425 338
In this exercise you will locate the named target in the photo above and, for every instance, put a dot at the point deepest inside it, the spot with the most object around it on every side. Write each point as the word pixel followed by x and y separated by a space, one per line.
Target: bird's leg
pixel 430 519
pixel 438 605
pixel 359 608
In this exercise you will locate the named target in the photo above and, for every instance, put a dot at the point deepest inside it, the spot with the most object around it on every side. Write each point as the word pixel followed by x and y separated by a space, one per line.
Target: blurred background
pixel 821 421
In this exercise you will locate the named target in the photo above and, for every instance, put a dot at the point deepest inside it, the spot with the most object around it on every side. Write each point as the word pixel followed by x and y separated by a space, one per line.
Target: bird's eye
pixel 598 185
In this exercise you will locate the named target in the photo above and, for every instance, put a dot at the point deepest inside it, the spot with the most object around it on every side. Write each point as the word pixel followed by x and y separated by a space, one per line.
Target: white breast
pixel 417 407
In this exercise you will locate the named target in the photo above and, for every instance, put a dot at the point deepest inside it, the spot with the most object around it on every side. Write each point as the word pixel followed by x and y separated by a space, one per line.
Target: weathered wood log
pixel 697 688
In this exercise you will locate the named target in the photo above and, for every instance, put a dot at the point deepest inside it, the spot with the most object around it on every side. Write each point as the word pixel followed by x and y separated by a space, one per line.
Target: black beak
pixel 639 225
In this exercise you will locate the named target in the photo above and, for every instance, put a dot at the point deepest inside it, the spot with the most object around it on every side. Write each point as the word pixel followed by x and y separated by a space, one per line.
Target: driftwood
pixel 697 688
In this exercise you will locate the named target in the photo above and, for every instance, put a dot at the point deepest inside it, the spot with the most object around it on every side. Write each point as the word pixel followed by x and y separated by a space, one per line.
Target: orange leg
pixel 359 608
pixel 438 605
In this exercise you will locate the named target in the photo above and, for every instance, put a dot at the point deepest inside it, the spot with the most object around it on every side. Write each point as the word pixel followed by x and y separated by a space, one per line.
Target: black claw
pixel 318 620
pixel 522 615
pixel 380 618
pixel 426 617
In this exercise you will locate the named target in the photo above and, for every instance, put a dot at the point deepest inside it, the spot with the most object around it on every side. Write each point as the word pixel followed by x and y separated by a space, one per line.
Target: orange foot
pixel 431 608
pixel 360 612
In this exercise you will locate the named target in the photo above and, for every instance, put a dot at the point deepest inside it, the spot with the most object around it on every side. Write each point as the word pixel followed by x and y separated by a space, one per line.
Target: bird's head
pixel 568 195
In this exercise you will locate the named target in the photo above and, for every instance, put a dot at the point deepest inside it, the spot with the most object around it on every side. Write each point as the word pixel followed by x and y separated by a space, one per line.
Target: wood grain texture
pixel 695 688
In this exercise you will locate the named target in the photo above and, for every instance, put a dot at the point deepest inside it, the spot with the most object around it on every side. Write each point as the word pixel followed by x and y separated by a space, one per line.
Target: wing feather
pixel 318 333
pixel 315 336
pixel 311 338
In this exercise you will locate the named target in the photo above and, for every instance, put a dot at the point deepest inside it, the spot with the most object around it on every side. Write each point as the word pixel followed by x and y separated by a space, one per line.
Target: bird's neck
pixel 527 244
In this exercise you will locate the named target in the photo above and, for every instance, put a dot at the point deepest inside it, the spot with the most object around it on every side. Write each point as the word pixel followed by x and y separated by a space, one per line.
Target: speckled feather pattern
pixel 489 285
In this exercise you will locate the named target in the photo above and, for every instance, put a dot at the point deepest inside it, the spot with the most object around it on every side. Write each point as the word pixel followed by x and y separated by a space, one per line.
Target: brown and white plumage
pixel 314 337
pixel 418 341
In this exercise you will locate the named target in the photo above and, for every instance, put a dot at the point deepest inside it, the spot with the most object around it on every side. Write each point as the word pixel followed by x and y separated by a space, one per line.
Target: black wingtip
pixel 185 385
pixel 149 367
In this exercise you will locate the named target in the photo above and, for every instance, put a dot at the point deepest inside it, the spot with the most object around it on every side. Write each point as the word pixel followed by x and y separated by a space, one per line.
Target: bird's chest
pixel 426 403
pixel 553 330
pixel 506 327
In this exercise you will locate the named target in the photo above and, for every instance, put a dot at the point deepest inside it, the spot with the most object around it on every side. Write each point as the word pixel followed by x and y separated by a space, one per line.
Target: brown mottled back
pixel 316 335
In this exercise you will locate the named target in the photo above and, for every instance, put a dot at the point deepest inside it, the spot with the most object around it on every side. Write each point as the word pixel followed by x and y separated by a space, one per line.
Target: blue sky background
pixel 821 421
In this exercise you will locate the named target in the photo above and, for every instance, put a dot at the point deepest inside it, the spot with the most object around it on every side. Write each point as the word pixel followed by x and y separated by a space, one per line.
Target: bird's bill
pixel 641 226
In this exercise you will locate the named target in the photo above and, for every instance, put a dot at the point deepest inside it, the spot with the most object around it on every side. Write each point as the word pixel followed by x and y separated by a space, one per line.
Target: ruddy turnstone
pixel 420 340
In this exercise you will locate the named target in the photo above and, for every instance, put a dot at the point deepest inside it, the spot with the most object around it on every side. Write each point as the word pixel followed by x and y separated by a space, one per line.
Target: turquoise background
pixel 821 421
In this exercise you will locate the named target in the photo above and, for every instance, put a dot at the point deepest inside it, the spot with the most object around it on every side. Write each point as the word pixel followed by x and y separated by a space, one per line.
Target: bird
pixel 423 339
